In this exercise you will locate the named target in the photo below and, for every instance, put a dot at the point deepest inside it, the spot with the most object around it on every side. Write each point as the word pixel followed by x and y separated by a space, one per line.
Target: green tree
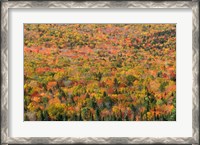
pixel 130 79
pixel 45 115
pixel 39 115
pixel 116 83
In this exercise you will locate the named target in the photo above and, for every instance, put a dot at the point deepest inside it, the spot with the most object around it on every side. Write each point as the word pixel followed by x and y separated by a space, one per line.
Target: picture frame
pixel 6 5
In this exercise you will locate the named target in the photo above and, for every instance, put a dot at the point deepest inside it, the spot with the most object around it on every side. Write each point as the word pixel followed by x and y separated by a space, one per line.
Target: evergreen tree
pixel 127 119
pixel 65 117
pixel 116 83
pixel 45 115
pixel 87 95
pixel 97 114
pixel 104 94
pixel 39 115
pixel 80 117
pixel 26 118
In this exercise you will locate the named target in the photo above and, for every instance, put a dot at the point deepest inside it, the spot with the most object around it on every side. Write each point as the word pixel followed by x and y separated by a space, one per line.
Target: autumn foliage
pixel 100 72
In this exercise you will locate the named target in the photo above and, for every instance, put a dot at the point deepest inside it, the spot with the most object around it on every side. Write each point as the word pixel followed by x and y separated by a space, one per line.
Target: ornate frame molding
pixel 5 139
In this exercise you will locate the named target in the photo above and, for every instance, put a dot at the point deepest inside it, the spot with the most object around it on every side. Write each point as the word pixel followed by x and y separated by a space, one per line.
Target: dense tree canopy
pixel 100 72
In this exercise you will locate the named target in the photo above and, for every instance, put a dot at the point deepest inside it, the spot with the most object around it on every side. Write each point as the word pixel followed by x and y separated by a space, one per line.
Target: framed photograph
pixel 100 72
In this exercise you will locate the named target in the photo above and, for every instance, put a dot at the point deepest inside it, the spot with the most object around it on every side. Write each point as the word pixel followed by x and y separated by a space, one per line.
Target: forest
pixel 99 72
